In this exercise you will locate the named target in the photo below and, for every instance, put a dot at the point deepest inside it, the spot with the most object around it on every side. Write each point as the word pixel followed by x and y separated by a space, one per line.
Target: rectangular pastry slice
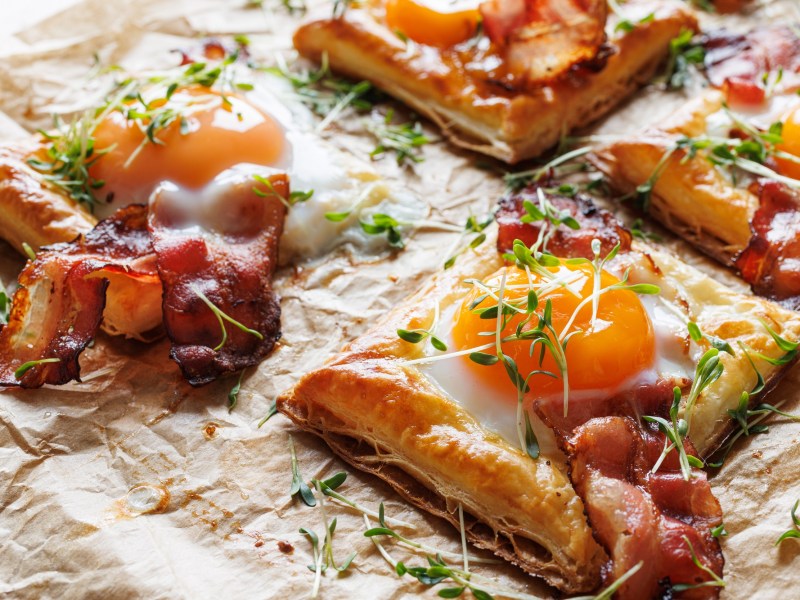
pixel 516 418
pixel 467 88
pixel 723 172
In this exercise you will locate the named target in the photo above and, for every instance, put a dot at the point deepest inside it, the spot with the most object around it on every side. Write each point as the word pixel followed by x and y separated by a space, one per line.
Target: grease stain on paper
pixel 142 499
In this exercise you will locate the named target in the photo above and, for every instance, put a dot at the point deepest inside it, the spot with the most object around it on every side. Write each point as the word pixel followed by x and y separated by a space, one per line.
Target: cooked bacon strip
pixel 737 63
pixel 226 253
pixel 543 39
pixel 771 261
pixel 635 514
pixel 59 305
pixel 595 223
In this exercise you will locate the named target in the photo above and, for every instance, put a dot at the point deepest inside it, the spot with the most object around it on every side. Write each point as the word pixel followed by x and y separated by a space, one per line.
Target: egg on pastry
pixel 532 417
pixel 723 170
pixel 648 340
pixel 213 167
pixel 496 77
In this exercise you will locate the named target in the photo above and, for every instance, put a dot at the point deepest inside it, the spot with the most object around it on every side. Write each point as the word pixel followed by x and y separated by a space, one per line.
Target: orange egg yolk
pixel 602 356
pixel 444 26
pixel 214 136
pixel 790 144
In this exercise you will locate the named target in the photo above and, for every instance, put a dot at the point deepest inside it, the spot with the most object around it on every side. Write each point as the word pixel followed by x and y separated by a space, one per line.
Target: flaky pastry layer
pixel 472 110
pixel 690 196
pixel 388 418
pixel 32 213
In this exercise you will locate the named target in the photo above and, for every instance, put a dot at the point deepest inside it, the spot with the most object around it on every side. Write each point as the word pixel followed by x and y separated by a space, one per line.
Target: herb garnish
pixel 25 367
pixel 684 52
pixel 405 139
pixel 294 197
pixel 719 531
pixel 325 94
pixel 709 369
pixel 299 486
pixel 222 317
pixel 715 581
pixel 794 532
pixel 697 335
pixel 5 305
pixel 273 410
pixel 29 252
pixel 520 179
pixel 233 395
pixel 385 224
pixel 472 226
pixel 748 420
pixel 415 336
pixel 624 24
pixel 323 557
pixel 638 231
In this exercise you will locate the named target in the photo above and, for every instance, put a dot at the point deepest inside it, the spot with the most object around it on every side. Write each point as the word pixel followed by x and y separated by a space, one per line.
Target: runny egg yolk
pixel 443 26
pixel 790 144
pixel 215 135
pixel 601 357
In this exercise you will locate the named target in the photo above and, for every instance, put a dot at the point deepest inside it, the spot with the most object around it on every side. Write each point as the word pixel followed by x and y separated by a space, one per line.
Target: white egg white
pixel 456 378
pixel 340 182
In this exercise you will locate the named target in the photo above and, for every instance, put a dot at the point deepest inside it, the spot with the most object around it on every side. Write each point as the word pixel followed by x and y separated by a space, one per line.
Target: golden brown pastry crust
pixel 691 196
pixel 388 418
pixel 30 212
pixel 528 509
pixel 474 113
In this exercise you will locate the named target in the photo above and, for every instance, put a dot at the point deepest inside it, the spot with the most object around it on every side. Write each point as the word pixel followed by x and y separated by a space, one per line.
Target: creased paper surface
pixel 80 463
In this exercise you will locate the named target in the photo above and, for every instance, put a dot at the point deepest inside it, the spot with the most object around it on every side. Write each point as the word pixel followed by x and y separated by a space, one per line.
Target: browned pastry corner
pixel 30 211
pixel 459 90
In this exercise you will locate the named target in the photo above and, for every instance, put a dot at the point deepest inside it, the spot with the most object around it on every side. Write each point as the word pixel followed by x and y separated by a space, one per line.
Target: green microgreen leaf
pixel 794 532
pixel 273 410
pixel 719 531
pixel 715 581
pixel 638 231
pixel 697 335
pixel 25 367
pixel 404 140
pixel 222 317
pixel 299 486
pixel 233 395
pixel 685 53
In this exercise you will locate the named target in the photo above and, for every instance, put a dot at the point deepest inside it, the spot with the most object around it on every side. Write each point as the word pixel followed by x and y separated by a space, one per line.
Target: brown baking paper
pixel 134 485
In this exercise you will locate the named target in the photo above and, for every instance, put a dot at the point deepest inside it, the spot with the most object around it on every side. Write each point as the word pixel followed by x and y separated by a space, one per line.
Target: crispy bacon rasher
pixel 595 224
pixel 635 514
pixel 543 39
pixel 59 305
pixel 230 262
pixel 737 63
pixel 771 261
pixel 228 258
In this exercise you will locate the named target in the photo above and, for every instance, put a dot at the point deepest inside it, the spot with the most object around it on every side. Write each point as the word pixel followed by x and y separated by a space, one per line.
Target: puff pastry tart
pixel 185 240
pixel 724 171
pixel 537 395
pixel 500 77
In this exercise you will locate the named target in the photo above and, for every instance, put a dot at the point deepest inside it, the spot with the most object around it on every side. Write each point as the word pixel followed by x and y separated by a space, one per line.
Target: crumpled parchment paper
pixel 134 485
